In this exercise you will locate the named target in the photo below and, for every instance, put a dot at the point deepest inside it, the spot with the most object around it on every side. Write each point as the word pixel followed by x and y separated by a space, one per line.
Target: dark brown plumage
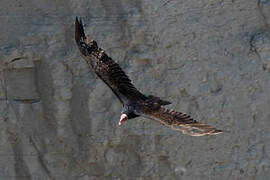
pixel 134 102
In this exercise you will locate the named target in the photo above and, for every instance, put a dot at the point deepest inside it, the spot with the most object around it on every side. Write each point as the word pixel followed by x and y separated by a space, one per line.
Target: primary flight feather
pixel 135 103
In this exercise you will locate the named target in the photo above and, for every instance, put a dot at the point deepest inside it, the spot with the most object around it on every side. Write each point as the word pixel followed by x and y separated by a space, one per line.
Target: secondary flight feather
pixel 134 102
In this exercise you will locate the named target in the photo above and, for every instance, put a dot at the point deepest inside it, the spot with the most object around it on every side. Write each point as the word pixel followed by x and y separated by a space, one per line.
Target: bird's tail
pixel 154 99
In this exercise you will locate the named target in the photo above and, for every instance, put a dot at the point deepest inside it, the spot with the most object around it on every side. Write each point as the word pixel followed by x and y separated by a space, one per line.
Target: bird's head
pixel 125 116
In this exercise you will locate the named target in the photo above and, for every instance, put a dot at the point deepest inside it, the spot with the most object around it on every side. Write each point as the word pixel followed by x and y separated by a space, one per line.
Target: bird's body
pixel 134 102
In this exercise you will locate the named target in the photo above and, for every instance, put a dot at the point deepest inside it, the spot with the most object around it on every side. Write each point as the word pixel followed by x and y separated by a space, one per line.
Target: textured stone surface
pixel 211 58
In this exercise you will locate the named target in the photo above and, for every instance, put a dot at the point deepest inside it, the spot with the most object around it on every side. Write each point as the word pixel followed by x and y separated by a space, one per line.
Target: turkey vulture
pixel 135 103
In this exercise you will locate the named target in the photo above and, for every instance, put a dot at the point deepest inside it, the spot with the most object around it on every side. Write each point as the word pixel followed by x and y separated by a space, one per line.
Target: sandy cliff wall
pixel 211 58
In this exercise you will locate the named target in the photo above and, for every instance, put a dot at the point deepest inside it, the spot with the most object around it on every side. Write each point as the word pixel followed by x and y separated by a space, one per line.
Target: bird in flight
pixel 134 103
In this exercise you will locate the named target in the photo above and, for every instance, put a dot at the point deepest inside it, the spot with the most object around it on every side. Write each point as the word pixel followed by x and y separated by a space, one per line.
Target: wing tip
pixel 79 31
pixel 212 132
pixel 216 132
pixel 198 134
pixel 198 131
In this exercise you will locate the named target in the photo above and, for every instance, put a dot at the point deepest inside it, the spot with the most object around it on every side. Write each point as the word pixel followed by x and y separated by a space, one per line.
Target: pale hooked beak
pixel 122 119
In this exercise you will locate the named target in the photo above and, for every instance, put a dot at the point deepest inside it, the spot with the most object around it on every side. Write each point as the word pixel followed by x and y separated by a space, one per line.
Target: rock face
pixel 58 121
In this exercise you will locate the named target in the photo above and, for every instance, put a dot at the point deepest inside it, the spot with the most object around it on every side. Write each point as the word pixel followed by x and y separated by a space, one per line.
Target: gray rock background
pixel 211 58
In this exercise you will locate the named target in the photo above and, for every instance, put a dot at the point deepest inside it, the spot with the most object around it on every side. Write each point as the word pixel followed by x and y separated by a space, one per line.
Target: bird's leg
pixel 122 119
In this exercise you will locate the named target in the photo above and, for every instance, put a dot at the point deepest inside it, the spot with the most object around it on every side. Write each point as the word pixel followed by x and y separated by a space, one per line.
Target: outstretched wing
pixel 107 69
pixel 177 121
